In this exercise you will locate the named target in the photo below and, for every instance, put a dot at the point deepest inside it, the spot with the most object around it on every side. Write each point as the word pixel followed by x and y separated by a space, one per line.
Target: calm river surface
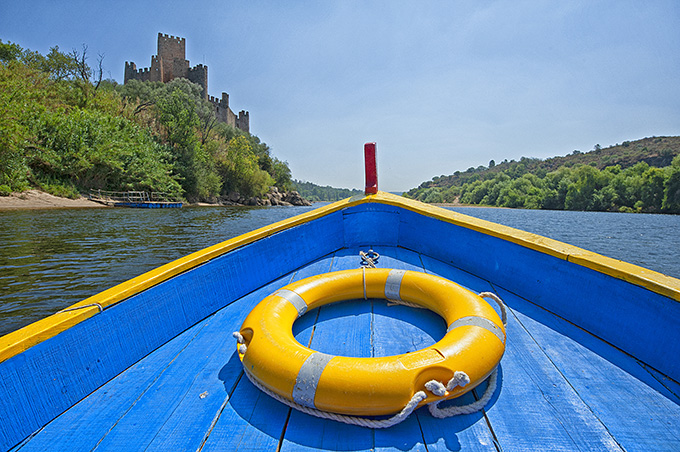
pixel 50 259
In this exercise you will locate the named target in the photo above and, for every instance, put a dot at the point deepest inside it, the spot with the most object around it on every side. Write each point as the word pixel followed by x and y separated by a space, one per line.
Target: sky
pixel 440 86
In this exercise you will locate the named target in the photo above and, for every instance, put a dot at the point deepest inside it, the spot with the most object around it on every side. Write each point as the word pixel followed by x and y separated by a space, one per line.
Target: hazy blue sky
pixel 439 85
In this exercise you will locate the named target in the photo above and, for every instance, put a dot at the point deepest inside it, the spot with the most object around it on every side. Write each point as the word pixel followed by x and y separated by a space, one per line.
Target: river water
pixel 50 259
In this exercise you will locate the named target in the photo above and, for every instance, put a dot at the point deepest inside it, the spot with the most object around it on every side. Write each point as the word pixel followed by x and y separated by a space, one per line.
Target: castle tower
pixel 243 121
pixel 171 63
pixel 172 57
pixel 130 71
pixel 199 75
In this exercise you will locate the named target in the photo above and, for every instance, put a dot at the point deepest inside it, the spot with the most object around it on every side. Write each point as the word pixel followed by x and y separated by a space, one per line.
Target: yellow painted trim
pixel 18 341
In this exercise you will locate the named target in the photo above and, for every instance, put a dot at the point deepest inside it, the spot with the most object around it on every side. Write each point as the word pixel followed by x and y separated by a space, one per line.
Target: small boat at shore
pixel 590 356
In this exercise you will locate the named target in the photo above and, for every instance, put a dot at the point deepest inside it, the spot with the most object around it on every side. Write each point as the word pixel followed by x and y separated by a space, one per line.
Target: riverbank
pixel 36 199
pixel 457 204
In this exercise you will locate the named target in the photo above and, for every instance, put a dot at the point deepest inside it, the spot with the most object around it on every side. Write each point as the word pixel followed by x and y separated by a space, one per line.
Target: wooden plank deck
pixel 560 388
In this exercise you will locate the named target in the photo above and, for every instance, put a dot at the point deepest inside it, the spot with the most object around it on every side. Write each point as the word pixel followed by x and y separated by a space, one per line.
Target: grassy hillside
pixel 637 176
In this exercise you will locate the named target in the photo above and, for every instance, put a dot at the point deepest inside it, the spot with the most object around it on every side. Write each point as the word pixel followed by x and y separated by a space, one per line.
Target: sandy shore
pixel 35 199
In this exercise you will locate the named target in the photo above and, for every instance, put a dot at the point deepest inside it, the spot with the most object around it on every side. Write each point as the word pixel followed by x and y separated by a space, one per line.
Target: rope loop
pixel 499 302
pixel 478 405
pixel 459 379
pixel 352 420
pixel 369 259
pixel 437 387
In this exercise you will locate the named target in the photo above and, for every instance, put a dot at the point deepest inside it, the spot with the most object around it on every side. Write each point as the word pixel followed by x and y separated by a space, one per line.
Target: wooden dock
pixel 135 199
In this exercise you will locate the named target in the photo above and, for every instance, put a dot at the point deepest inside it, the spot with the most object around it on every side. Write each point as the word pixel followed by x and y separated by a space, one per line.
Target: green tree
pixel 652 192
pixel 281 174
pixel 671 199
pixel 433 195
pixel 586 180
pixel 473 192
pixel 628 186
pixel 10 52
pixel 240 171
pixel 63 128
pixel 177 105
pixel 522 192
pixel 556 185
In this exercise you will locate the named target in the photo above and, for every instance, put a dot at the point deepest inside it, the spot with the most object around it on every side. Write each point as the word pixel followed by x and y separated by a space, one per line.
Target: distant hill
pixel 314 192
pixel 642 176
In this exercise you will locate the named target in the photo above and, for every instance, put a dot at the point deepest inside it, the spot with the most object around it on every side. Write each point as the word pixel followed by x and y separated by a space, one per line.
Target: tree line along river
pixel 50 259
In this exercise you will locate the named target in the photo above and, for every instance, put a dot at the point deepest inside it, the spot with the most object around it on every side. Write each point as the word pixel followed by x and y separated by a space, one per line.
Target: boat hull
pixel 580 299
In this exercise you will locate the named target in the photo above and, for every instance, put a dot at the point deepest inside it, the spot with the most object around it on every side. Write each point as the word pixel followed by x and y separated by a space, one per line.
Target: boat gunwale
pixel 24 338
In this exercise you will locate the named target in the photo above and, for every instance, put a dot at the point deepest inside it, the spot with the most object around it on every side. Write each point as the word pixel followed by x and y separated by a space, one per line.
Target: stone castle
pixel 171 63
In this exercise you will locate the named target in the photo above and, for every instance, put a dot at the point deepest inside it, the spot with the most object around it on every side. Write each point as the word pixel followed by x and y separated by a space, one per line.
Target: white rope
pixel 499 302
pixel 437 387
pixel 490 389
pixel 404 303
pixel 352 420
pixel 369 259
pixel 242 347
pixel 441 413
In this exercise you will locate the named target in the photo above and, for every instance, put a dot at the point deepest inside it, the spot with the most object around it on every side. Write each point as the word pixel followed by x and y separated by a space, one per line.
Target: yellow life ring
pixel 474 344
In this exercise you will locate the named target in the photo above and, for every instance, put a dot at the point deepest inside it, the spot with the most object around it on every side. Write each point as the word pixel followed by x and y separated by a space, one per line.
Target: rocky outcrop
pixel 291 198
pixel 273 198
pixel 295 199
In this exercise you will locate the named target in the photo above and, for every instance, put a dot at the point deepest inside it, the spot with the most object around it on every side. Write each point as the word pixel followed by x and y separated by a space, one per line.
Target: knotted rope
pixel 473 407
pixel 369 259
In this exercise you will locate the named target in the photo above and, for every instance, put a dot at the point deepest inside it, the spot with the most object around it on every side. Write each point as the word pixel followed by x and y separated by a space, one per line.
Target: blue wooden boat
pixel 149 205
pixel 592 360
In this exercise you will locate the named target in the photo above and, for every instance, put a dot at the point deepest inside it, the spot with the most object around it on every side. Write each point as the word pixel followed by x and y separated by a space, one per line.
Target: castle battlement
pixel 171 63
pixel 170 37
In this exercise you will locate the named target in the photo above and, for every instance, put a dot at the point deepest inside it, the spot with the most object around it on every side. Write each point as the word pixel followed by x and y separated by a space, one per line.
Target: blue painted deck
pixel 560 388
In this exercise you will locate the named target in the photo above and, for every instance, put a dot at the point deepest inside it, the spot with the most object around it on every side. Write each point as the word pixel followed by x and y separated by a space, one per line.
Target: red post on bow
pixel 371 169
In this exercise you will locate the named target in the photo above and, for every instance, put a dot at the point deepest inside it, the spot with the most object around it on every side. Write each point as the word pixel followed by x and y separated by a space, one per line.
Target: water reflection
pixel 50 259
